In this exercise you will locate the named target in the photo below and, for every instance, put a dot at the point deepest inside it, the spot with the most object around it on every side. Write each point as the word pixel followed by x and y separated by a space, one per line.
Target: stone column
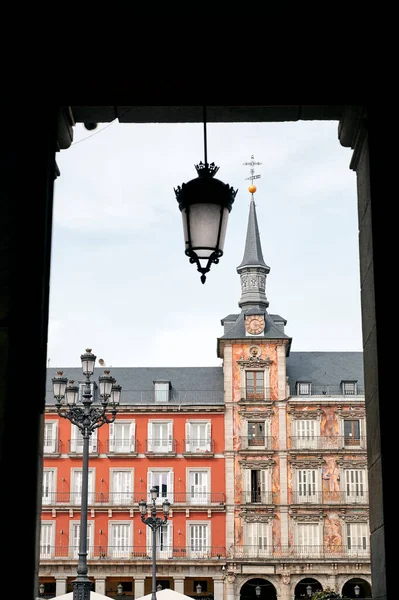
pixel 229 586
pixel 138 588
pixel 179 585
pixel 60 586
pixel 100 586
pixel 218 589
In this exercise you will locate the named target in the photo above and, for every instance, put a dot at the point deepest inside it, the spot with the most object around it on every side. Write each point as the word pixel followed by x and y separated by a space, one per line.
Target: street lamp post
pixel 154 523
pixel 87 418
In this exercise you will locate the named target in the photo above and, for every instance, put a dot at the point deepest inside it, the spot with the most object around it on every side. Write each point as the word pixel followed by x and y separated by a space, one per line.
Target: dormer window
pixel 161 389
pixel 349 388
pixel 303 388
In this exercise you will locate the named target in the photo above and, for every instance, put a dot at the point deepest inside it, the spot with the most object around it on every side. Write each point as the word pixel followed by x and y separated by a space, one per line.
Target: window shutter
pixel 264 485
pixel 171 477
pixel 245 434
pixel 208 436
pixel 170 539
pixel 188 431
pixel 132 437
pixel 111 437
pixel 150 484
pixel 170 433
pixel 148 541
pixel 93 441
pixel 149 437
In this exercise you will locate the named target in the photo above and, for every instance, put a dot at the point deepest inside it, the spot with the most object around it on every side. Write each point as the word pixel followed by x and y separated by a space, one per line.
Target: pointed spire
pixel 253 269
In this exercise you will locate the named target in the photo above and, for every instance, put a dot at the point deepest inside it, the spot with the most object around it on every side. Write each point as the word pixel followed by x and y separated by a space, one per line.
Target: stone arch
pixel 248 589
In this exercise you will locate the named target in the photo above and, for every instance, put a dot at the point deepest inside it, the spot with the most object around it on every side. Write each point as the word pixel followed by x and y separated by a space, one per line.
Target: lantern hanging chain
pixel 205 149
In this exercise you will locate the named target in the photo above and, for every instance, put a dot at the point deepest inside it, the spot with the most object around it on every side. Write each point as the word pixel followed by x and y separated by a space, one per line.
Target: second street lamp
pixel 87 418
pixel 154 523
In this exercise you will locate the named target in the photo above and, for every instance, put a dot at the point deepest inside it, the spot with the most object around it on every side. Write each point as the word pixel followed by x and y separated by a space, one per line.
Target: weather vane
pixel 252 187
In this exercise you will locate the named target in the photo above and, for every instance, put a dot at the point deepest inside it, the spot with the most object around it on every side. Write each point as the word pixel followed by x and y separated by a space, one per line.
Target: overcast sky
pixel 120 281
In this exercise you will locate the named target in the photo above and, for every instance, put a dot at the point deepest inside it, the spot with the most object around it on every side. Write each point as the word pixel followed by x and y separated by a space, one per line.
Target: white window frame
pixel 164 548
pixel 265 486
pixel 161 391
pixel 195 444
pixel 357 538
pixel 76 499
pixel 165 445
pixel 50 482
pixel 303 388
pixel 122 445
pixel 170 484
pixel 77 441
pixel 349 388
pixel 315 532
pixel 308 485
pixel 199 550
pixel 47 545
pixel 50 446
pixel 125 548
pixel 122 497
pixel 74 538
pixel 261 534
pixel 198 493
pixel 267 427
pixel 307 432
pixel 266 380
pixel 354 484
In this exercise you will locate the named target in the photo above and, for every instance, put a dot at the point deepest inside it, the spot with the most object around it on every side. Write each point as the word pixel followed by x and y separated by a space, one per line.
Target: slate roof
pixel 204 385
pixel 271 331
pixel 253 250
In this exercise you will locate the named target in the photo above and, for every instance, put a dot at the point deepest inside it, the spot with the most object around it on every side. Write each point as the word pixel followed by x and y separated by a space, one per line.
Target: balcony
pixel 299 552
pixel 75 448
pixel 129 499
pixel 256 442
pixel 326 442
pixel 253 497
pixel 198 448
pixel 121 447
pixel 331 497
pixel 249 394
pixel 146 397
pixel 160 447
pixel 126 552
pixel 327 390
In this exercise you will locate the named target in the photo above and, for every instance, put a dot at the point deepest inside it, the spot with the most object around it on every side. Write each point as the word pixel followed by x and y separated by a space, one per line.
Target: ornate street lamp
pixel 309 590
pixel 87 418
pixel 205 204
pixel 356 590
pixel 119 589
pixel 198 588
pixel 154 523
pixel 258 590
pixel 41 590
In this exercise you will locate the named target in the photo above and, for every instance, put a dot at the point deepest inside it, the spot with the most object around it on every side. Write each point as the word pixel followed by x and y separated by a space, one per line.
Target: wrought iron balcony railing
pixel 330 497
pixel 130 499
pixel 253 394
pixel 303 552
pixel 128 552
pixel 252 497
pixel 160 446
pixel 198 446
pixel 122 446
pixel 326 390
pixel 257 442
pixel 327 442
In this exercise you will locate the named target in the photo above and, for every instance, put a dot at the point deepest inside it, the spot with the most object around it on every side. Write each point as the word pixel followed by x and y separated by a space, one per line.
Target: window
pixel 351 432
pixel 122 487
pixel 357 538
pixel 256 486
pixel 77 440
pixel 121 539
pixel 49 480
pixel 257 540
pixel 198 436
pixel 199 543
pixel 305 436
pixel 256 433
pixel 355 485
pixel 160 436
pixel 161 391
pixel 74 539
pixel 308 539
pixel 47 540
pixel 164 541
pixel 255 384
pixel 122 436
pixel 198 483
pixel 306 485
pixel 162 481
pixel 349 388
pixel 77 487
pixel 50 437
pixel 303 388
